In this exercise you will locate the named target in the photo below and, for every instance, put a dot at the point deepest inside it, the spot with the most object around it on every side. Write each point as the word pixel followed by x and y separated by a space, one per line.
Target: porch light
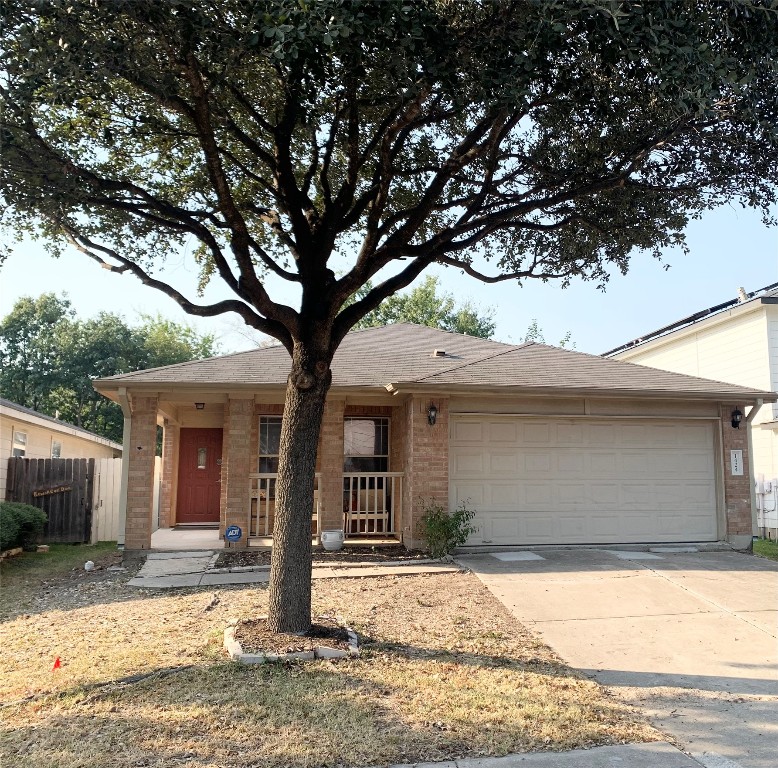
pixel 432 414
pixel 737 417
pixel 199 406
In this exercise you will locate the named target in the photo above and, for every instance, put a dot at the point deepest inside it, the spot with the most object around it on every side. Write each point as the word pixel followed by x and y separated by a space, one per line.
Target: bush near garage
pixel 21 525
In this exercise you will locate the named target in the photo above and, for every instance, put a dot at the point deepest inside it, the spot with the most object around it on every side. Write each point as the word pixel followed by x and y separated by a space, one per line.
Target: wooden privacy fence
pixel 79 496
pixel 62 488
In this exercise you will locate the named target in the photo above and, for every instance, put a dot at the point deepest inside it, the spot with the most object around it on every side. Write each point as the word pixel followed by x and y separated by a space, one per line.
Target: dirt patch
pixel 254 637
pixel 258 557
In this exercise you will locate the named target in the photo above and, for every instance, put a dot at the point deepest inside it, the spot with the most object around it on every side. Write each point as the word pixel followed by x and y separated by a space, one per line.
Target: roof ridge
pixel 510 348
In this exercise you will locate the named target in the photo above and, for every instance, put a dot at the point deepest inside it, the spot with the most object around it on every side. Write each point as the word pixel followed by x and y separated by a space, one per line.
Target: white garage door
pixel 576 481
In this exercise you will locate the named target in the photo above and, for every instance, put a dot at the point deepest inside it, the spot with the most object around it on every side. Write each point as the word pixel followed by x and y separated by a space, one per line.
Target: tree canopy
pixel 332 144
pixel 424 306
pixel 48 358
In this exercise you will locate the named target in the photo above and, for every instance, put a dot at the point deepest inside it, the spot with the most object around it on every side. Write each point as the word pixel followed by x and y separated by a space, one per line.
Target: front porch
pixel 220 460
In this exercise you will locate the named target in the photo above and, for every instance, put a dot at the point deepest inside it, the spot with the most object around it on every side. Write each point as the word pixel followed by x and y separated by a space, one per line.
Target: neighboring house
pixel 549 446
pixel 24 432
pixel 737 342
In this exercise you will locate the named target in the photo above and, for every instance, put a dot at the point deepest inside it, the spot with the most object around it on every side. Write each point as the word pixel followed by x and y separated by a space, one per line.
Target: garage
pixel 543 480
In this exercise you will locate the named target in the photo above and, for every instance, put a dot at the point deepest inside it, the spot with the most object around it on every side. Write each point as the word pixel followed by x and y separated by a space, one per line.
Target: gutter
pixel 752 477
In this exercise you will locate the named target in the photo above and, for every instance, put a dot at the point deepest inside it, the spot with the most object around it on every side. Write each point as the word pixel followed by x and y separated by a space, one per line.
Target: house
pixel 25 432
pixel 737 342
pixel 549 446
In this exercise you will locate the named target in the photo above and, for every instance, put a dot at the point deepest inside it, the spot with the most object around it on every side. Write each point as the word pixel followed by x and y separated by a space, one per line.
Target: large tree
pixel 329 144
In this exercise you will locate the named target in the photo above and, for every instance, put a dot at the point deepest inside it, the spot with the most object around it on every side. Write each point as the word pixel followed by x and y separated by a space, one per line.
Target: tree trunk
pixel 290 570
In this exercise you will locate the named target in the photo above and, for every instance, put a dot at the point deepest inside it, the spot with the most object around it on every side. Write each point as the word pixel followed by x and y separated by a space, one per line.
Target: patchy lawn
pixel 446 672
pixel 24 576
pixel 766 548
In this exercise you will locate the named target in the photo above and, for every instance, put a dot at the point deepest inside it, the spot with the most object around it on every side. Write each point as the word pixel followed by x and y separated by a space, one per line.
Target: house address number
pixel 736 462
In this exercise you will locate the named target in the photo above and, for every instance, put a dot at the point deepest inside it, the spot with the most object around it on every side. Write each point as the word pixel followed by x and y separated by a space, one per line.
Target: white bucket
pixel 332 540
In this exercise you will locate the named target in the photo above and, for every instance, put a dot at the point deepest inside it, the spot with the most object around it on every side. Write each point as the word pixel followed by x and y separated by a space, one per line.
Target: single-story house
pixel 734 341
pixel 25 432
pixel 549 446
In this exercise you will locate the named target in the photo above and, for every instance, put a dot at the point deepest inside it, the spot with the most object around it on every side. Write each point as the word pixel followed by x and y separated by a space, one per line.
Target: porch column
pixel 426 464
pixel 167 495
pixel 140 481
pixel 330 465
pixel 737 487
pixel 236 465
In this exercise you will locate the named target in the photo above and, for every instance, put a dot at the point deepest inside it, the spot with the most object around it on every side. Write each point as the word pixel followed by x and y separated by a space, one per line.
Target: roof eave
pixel 752 396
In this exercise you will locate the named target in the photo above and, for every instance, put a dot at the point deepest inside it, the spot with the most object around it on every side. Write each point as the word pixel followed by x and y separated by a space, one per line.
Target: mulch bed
pixel 254 637
pixel 242 558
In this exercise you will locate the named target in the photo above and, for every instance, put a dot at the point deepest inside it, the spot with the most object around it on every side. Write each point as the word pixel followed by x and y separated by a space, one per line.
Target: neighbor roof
pixel 400 357
pixel 11 409
pixel 766 295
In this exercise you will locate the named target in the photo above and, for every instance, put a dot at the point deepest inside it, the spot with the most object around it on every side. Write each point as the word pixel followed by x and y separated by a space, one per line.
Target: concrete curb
pixel 658 754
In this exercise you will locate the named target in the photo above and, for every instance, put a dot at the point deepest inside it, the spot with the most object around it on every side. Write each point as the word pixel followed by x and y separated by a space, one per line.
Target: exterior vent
pixel 438 353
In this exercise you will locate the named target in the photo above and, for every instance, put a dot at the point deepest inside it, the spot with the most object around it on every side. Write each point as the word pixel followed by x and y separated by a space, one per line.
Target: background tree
pixel 48 358
pixel 424 306
pixel 535 333
pixel 292 140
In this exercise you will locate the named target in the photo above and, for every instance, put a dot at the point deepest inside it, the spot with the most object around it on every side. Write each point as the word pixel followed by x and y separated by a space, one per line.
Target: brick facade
pixel 426 463
pixel 737 488
pixel 330 465
pixel 236 465
pixel 167 491
pixel 140 486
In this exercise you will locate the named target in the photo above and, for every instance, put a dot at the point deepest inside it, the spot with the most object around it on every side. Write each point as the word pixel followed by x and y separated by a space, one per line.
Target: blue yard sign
pixel 233 533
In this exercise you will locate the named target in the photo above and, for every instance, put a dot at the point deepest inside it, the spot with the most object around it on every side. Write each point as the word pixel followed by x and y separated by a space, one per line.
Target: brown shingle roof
pixel 402 355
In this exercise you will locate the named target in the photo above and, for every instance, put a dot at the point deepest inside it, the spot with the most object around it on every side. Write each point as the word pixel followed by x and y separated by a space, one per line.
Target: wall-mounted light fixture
pixel 199 406
pixel 432 414
pixel 737 417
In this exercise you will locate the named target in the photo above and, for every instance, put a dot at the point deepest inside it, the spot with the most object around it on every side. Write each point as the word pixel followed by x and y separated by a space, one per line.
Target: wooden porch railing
pixel 371 504
pixel 262 504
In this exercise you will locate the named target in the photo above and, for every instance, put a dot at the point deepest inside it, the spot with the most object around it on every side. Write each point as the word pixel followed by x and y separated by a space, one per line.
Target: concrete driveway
pixel 690 638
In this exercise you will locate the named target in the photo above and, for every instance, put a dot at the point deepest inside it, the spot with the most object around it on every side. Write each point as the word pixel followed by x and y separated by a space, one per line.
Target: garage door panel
pixel 564 481
pixel 503 432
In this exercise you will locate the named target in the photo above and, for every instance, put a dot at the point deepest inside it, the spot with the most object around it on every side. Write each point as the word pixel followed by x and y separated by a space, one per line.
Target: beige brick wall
pixel 236 465
pixel 140 486
pixel 167 492
pixel 426 463
pixel 737 488
pixel 330 465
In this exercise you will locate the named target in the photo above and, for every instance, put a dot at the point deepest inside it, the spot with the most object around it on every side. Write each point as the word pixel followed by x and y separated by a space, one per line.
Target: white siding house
pixel 735 342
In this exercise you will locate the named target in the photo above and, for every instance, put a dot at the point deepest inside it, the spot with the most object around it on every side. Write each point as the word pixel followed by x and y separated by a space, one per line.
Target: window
pixel 56 449
pixel 269 443
pixel 366 444
pixel 201 458
pixel 19 444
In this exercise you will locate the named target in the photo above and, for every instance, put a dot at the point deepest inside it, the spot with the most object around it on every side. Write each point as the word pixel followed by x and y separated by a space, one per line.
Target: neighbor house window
pixel 56 449
pixel 366 444
pixel 19 447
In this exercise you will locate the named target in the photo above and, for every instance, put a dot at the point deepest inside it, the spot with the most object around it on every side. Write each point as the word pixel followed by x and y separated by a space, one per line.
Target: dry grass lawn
pixel 445 672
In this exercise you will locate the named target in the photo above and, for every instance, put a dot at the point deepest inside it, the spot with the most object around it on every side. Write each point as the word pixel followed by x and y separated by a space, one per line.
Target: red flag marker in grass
pixel 57 664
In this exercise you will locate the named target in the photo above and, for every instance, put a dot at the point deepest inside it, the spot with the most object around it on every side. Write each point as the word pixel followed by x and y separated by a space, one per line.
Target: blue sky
pixel 730 247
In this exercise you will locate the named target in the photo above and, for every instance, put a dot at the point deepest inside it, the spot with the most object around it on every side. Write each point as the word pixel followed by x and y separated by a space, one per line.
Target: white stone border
pixel 235 650
pixel 337 565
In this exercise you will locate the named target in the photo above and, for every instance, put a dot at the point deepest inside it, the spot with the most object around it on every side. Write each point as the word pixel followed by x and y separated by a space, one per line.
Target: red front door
pixel 199 475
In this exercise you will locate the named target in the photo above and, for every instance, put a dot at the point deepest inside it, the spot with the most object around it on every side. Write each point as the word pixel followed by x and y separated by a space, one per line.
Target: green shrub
pixel 444 530
pixel 21 525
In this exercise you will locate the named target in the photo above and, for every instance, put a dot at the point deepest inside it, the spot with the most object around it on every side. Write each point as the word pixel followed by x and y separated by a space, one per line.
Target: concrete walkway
pixel 170 570
pixel 690 638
